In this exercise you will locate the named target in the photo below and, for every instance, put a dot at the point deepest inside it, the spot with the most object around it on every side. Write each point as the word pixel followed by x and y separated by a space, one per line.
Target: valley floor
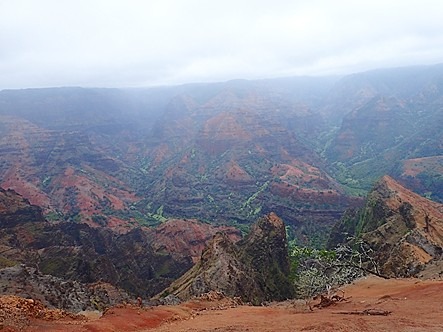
pixel 415 305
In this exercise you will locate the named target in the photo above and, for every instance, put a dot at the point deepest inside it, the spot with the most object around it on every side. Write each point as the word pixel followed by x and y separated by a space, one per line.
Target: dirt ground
pixel 415 305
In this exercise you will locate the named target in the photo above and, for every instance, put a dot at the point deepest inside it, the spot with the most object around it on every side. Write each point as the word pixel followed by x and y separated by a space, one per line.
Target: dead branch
pixel 364 270
pixel 366 312
pixel 326 301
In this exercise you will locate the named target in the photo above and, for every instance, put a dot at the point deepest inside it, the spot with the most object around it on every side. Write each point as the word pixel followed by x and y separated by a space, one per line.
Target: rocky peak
pixel 269 227
pixel 267 245
pixel 255 269
pixel 390 200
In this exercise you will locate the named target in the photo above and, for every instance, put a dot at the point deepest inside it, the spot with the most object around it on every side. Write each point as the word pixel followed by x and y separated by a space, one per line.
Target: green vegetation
pixel 433 184
pixel 74 217
pixel 54 216
pixel 254 196
pixel 99 219
pixel 5 262
pixel 56 265
pixel 46 181
pixel 153 218
pixel 244 228
pixel 358 178
pixel 175 152
pixel 254 211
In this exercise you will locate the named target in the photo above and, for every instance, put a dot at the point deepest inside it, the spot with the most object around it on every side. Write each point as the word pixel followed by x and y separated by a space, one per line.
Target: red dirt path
pixel 415 305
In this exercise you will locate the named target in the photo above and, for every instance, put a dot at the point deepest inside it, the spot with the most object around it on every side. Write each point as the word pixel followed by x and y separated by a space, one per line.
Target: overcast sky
pixel 113 43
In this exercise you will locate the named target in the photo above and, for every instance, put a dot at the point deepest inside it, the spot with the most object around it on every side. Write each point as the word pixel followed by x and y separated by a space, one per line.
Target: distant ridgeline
pixel 225 153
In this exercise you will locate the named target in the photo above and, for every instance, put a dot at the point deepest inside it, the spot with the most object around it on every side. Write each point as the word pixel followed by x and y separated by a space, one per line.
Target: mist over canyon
pixel 226 153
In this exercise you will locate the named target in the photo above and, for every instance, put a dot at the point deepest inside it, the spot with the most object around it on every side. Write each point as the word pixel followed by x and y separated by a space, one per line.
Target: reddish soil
pixel 13 179
pixel 89 191
pixel 224 126
pixel 188 237
pixel 302 181
pixel 427 214
pixel 160 153
pixel 413 167
pixel 236 175
pixel 415 305
pixel 297 172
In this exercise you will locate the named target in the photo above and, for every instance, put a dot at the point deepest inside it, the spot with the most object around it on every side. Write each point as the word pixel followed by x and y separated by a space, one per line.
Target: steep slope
pixel 141 261
pixel 77 252
pixel 389 116
pixel 403 230
pixel 15 209
pixel 187 238
pixel 255 269
pixel 63 172
pixel 423 176
pixel 27 282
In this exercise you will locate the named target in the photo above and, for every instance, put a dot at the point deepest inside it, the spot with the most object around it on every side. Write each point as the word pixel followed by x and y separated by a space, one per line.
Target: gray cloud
pixel 141 43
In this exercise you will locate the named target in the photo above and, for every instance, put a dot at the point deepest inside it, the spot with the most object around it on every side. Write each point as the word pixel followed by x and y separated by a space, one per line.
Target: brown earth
pixel 187 238
pixel 415 305
pixel 413 167
pixel 410 235
pixel 423 176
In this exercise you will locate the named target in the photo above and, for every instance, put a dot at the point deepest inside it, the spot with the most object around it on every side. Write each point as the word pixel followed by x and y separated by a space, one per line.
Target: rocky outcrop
pixel 78 252
pixel 403 230
pixel 15 209
pixel 266 250
pixel 255 269
pixel 54 292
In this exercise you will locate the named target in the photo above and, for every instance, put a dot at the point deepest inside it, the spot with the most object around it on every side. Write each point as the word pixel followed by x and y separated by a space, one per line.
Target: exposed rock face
pixel 187 238
pixel 136 261
pixel 255 269
pixel 266 250
pixel 142 261
pixel 389 118
pixel 404 230
pixel 78 252
pixel 15 209
pixel 55 292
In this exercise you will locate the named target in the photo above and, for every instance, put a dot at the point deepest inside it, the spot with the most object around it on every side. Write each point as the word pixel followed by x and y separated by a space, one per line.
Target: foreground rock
pixel 415 306
pixel 403 231
pixel 255 269
pixel 16 313
pixel 54 292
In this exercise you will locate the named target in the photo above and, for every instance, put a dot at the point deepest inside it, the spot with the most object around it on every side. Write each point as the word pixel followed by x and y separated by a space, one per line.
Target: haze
pixel 144 43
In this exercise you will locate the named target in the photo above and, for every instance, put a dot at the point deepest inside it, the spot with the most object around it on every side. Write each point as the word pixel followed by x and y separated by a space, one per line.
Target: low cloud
pixel 142 43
